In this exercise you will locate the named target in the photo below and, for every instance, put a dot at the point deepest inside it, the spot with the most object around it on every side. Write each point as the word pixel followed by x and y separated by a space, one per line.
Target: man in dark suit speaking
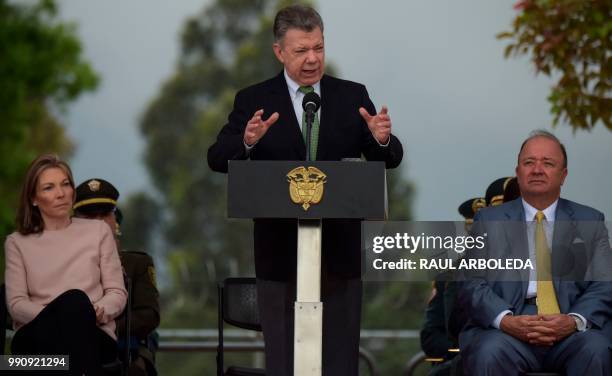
pixel 267 123
pixel 547 320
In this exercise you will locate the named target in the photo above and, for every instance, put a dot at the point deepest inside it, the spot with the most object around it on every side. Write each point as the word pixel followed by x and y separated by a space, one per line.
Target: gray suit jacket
pixel 580 237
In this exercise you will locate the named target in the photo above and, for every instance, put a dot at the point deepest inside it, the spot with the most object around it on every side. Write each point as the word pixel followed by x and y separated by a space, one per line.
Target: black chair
pixel 116 367
pixel 237 307
pixel 413 363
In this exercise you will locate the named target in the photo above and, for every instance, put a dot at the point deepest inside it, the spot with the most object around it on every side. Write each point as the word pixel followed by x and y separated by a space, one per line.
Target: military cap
pixel 495 191
pixel 512 190
pixel 95 196
pixel 469 208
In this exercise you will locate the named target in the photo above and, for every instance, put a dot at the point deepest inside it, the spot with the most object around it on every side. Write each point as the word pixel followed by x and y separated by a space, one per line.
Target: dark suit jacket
pixel 580 236
pixel 342 134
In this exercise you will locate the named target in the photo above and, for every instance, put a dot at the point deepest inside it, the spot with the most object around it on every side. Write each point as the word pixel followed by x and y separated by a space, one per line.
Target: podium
pixel 309 192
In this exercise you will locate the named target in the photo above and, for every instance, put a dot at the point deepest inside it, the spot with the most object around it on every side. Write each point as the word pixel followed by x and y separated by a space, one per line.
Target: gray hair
pixel 295 16
pixel 546 134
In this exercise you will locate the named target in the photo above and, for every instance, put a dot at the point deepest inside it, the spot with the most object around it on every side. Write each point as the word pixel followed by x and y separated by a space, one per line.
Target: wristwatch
pixel 580 325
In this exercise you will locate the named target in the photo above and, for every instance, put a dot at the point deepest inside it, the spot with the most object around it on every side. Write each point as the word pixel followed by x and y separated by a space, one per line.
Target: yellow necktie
pixel 546 299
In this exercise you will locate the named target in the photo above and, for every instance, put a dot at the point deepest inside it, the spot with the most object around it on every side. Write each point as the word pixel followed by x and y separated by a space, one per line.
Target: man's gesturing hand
pixel 379 124
pixel 257 127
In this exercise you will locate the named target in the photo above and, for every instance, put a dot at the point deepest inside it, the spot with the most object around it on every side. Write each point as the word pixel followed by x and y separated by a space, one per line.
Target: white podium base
pixel 308 329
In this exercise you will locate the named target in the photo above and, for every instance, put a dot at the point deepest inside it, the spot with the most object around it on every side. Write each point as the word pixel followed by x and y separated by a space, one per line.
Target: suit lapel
pixel 517 238
pixel 562 236
pixel 279 95
pixel 327 115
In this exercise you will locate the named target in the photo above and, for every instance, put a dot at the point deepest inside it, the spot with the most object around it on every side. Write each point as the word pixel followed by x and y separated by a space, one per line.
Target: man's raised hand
pixel 256 128
pixel 379 124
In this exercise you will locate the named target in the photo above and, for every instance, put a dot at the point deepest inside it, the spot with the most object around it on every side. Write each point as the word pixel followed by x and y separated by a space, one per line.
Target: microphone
pixel 311 104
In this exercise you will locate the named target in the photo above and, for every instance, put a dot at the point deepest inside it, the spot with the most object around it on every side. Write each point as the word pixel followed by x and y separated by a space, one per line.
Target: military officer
pixel 469 208
pixel 512 190
pixel 97 199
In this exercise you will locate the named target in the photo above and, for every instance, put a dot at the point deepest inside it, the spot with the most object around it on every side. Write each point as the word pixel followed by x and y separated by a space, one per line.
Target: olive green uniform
pixel 138 266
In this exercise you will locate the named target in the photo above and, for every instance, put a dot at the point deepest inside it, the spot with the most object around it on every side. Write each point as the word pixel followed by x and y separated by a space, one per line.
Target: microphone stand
pixel 309 121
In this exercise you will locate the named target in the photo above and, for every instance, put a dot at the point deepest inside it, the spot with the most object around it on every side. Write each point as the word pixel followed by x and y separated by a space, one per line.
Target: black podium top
pixel 264 189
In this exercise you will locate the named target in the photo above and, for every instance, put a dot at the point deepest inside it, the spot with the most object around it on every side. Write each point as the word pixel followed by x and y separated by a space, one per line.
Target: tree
pixel 41 71
pixel 141 216
pixel 570 39
pixel 220 53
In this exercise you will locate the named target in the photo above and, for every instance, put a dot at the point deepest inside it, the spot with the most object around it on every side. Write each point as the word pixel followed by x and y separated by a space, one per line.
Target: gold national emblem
pixel 94 185
pixel 306 185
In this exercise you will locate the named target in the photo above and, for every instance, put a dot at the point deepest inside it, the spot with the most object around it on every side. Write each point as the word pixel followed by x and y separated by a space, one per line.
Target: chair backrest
pixel 239 303
pixel 237 307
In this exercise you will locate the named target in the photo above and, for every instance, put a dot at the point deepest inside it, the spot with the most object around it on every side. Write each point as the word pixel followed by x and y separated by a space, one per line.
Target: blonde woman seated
pixel 64 282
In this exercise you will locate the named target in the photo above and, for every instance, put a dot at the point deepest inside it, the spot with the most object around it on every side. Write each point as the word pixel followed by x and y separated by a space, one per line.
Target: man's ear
pixel 563 175
pixel 278 51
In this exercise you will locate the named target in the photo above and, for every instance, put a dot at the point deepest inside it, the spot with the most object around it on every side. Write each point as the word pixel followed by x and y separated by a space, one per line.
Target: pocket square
pixel 577 241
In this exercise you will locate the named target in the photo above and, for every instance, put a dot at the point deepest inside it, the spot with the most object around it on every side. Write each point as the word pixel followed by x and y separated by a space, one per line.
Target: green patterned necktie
pixel 314 132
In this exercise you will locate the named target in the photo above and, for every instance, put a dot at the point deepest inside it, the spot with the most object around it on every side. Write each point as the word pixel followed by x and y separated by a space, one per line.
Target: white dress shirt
pixel 297 97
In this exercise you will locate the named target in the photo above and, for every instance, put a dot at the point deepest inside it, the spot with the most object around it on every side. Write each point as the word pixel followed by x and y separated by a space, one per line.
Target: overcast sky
pixel 459 108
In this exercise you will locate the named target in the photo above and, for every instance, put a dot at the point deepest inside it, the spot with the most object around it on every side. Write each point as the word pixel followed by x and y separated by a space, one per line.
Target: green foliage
pixel 393 306
pixel 141 216
pixel 400 194
pixel 569 39
pixel 390 305
pixel 392 355
pixel 186 363
pixel 41 71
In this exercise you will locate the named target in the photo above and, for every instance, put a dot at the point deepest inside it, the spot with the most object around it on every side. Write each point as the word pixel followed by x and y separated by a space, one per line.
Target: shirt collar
pixel 549 212
pixel 294 86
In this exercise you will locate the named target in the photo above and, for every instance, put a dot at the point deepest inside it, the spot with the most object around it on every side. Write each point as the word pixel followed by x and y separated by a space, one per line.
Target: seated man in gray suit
pixel 540 322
